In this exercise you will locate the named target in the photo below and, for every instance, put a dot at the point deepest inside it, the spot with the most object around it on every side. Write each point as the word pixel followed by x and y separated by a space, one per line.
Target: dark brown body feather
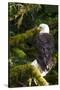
pixel 45 49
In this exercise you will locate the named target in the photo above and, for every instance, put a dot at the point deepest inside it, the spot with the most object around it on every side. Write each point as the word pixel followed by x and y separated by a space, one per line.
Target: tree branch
pixel 22 73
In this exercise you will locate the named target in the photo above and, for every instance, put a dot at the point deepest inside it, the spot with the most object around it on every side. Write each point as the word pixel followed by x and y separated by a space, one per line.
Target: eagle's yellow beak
pixel 39 28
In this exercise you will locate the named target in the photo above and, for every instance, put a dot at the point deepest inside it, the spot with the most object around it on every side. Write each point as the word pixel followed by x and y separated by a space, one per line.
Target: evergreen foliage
pixel 23 20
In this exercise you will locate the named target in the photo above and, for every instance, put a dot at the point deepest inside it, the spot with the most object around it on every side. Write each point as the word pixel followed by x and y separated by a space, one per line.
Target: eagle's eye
pixel 41 28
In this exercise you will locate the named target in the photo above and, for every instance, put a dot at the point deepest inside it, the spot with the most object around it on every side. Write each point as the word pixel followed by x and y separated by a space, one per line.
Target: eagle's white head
pixel 44 28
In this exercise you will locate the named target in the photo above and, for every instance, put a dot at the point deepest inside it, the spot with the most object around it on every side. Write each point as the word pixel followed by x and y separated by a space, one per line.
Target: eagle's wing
pixel 45 48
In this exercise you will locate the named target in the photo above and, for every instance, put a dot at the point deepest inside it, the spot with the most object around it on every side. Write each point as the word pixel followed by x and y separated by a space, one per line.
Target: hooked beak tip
pixel 39 28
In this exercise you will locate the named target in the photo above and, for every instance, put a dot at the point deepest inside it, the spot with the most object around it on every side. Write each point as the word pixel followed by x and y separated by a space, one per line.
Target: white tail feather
pixel 35 63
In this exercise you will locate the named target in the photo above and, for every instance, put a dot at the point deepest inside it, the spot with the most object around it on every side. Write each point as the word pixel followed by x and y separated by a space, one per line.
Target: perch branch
pixel 22 73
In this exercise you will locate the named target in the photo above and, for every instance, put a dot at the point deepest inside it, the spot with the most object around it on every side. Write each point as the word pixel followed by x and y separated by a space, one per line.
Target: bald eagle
pixel 45 47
